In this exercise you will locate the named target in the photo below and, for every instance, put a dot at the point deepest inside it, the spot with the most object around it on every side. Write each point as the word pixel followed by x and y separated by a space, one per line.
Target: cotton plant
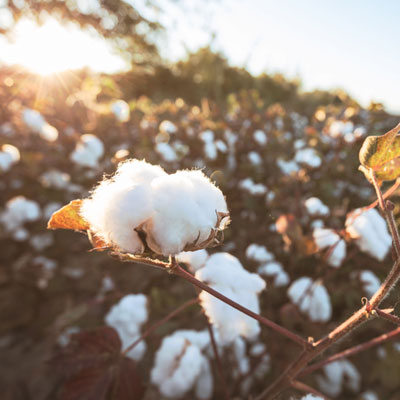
pixel 127 318
pixel 335 245
pixel 337 375
pixel 370 233
pixel 181 367
pixel 224 273
pixel 312 298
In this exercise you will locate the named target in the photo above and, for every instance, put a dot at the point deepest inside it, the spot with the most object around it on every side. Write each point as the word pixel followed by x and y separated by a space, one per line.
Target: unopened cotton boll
pixel 224 273
pixel 126 318
pixel 120 109
pixel 179 366
pixel 312 298
pixel 369 230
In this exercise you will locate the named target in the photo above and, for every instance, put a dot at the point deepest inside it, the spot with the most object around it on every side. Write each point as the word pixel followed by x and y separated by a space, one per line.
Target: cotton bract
pixel 224 273
pixel 126 318
pixel 176 212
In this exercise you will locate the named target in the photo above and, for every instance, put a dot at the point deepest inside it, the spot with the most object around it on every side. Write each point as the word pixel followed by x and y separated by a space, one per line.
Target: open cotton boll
pixel 338 374
pixel 201 339
pixel 287 167
pixel 185 207
pixel 35 121
pixel 194 259
pixel 311 397
pixel 308 157
pixel 224 273
pixel 315 206
pixel 370 282
pixel 254 158
pixel 312 298
pixel 120 109
pixel 9 155
pixel 275 270
pixel 126 318
pixel 115 209
pixel 88 151
pixel 369 230
pixel 19 210
pixel 260 137
pixel 166 151
pixel 168 127
pixel 258 253
pixel 256 189
pixel 324 238
pixel 178 367
pixel 369 395
pixel 205 382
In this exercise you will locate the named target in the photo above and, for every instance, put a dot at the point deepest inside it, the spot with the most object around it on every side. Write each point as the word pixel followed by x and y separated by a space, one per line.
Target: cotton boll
pixel 166 151
pixel 337 247
pixel 49 133
pixel 207 136
pixel 239 352
pixel 115 209
pixel 33 119
pixel 254 158
pixel 224 273
pixel 369 230
pixel 138 172
pixel 256 189
pixel 312 299
pixel 168 127
pixel 205 382
pixel 260 137
pixel 126 318
pixel 308 157
pixel 288 167
pixel 194 259
pixel 55 178
pixel 369 395
pixel 41 241
pixel 336 375
pixel 258 253
pixel 370 282
pixel 178 366
pixel 201 339
pixel 275 270
pixel 221 146
pixel 120 109
pixel 185 208
pixel 210 150
pixel 315 206
pixel 311 397
pixel 9 155
pixel 88 151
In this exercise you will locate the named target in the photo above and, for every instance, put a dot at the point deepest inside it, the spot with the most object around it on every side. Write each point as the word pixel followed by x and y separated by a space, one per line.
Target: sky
pixel 353 44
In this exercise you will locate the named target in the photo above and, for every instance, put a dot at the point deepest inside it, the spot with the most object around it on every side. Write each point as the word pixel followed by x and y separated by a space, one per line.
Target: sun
pixel 52 48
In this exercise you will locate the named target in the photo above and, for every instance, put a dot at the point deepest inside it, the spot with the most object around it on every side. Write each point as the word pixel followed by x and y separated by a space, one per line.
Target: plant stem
pixel 389 317
pixel 352 351
pixel 178 270
pixel 307 389
pixel 218 362
pixel 159 323
pixel 387 194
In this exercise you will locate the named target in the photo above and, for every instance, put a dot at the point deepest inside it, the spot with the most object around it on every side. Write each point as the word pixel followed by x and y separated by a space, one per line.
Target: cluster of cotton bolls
pixel 88 151
pixel 212 146
pixel 9 155
pixel 127 318
pixel 268 266
pixel 36 122
pixel 19 210
pixel 312 298
pixel 177 212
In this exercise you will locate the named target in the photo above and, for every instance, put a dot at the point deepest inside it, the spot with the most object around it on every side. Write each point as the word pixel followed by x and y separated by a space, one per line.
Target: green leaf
pixel 382 154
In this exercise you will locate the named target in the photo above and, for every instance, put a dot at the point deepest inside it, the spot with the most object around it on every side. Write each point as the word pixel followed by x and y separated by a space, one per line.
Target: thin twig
pixel 159 323
pixel 264 321
pixel 352 351
pixel 218 362
pixel 389 317
pixel 308 389
pixel 386 195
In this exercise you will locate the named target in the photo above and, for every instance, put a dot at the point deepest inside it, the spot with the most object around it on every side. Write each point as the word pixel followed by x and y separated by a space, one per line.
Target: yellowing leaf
pixel 382 154
pixel 68 218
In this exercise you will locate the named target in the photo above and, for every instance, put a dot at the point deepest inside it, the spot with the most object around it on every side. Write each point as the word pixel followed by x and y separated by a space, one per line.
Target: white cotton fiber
pixel 120 109
pixel 316 207
pixel 312 298
pixel 179 367
pixel 88 151
pixel 175 211
pixel 224 273
pixel 258 253
pixel 370 282
pixel 126 318
pixel 194 259
pixel 338 374
pixel 370 232
pixel 327 238
pixel 36 122
pixel 309 157
pixel 275 270
pixel 9 155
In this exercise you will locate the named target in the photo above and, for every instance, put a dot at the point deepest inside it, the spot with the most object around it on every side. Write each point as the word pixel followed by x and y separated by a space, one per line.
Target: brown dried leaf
pixel 68 218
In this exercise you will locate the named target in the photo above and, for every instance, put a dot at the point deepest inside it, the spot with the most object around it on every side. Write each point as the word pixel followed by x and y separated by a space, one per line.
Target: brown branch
pixel 386 195
pixel 159 323
pixel 387 316
pixel 302 387
pixel 218 362
pixel 178 270
pixel 352 351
